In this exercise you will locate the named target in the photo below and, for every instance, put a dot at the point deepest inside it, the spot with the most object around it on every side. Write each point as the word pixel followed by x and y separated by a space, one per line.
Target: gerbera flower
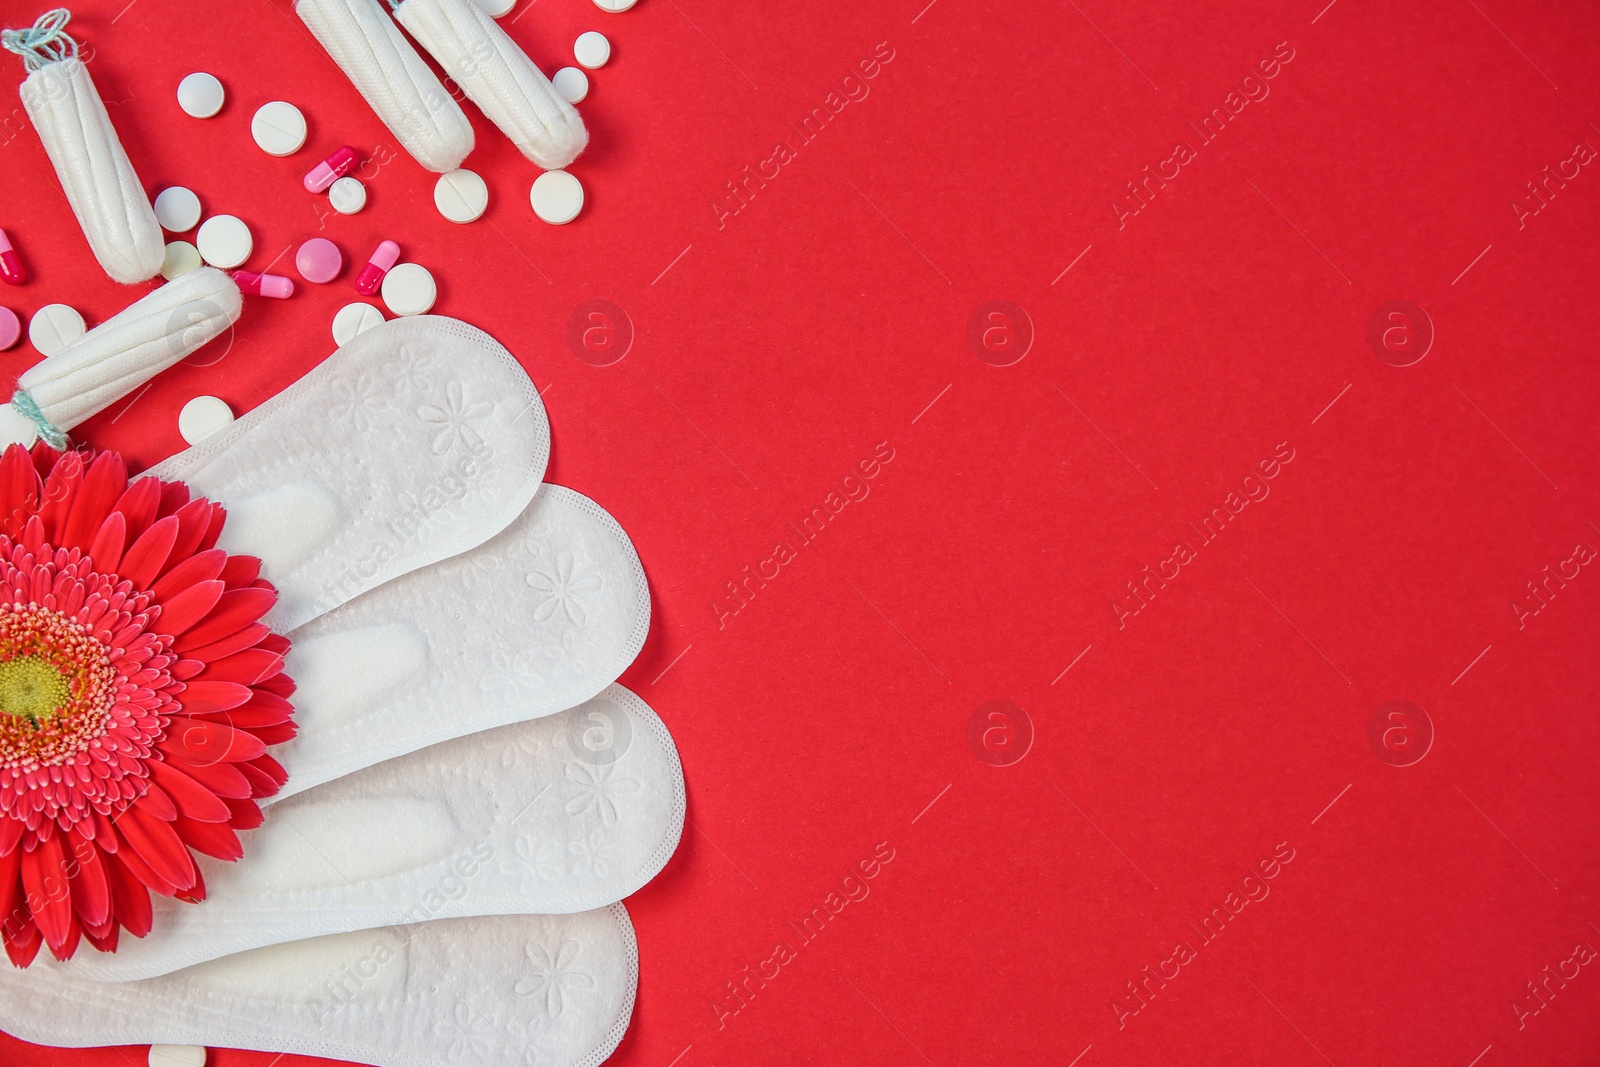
pixel 138 694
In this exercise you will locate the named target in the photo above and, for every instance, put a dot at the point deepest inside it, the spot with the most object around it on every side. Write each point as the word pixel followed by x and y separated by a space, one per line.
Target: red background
pixel 771 355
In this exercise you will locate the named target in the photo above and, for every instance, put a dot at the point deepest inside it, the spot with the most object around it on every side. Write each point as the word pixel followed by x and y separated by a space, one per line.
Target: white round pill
pixel 353 320
pixel 347 195
pixel 181 257
pixel 614 5
pixel 202 417
pixel 496 8
pixel 177 209
pixel 224 241
pixel 177 1055
pixel 201 95
pixel 409 289
pixel 279 128
pixel 16 428
pixel 54 327
pixel 571 83
pixel 591 49
pixel 461 196
pixel 557 197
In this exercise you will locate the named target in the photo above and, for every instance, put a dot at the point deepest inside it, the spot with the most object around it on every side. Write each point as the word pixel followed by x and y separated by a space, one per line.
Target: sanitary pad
pixel 558 815
pixel 535 621
pixel 493 992
pixel 419 439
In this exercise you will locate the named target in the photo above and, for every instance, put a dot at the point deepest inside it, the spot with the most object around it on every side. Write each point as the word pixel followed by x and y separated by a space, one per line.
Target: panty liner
pixel 554 816
pixel 507 991
pixel 534 621
pixel 419 439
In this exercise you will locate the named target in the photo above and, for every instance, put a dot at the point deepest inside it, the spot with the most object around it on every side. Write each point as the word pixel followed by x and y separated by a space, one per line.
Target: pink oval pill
pixel 319 260
pixel 10 328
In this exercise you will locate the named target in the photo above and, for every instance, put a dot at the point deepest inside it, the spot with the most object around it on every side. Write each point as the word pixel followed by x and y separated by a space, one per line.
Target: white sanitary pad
pixel 499 77
pixel 507 991
pixel 419 439
pixel 554 816
pixel 83 146
pixel 535 621
pixel 386 70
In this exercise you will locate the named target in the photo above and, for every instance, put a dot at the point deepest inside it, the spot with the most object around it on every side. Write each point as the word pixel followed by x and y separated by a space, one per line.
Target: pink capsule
pixel 273 285
pixel 12 272
pixel 371 276
pixel 331 169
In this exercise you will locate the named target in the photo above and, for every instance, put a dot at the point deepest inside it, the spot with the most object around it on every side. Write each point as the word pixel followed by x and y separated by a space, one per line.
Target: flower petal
pixel 236 609
pixel 193 800
pixel 202 567
pixel 102 487
pixel 48 893
pixel 187 608
pixel 129 896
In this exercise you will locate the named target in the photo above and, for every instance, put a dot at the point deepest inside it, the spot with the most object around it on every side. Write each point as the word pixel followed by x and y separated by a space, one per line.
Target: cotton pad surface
pixel 418 439
pixel 559 815
pixel 506 991
pixel 532 622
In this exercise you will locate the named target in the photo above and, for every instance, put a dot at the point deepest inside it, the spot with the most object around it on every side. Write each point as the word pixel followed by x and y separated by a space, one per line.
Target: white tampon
pixel 100 184
pixel 125 351
pixel 385 68
pixel 498 76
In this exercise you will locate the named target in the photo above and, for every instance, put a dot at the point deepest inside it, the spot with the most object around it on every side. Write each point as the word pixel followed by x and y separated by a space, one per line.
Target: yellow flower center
pixel 32 689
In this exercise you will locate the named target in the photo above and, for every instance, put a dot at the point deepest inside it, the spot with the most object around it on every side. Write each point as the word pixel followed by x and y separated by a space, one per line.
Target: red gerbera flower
pixel 138 694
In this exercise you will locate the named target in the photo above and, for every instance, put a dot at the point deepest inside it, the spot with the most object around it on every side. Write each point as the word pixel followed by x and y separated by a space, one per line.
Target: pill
pixel 319 260
pixel 16 428
pixel 496 8
pixel 460 196
pixel 273 285
pixel 199 419
pixel 181 257
pixel 591 49
pixel 571 83
pixel 181 1055
pixel 371 276
pixel 347 195
pixel 334 167
pixel 409 289
pixel 177 209
pixel 279 128
pixel 54 327
pixel 201 95
pixel 224 241
pixel 557 197
pixel 12 272
pixel 353 320
pixel 614 5
pixel 10 328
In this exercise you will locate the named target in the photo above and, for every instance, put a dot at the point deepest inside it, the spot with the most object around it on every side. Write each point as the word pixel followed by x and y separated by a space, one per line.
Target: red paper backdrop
pixel 1167 351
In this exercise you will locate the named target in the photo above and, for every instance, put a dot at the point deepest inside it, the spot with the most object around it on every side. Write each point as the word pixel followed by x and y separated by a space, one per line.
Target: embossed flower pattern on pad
pixel 598 789
pixel 407 369
pixel 554 980
pixel 454 419
pixel 468 1031
pixel 562 591
pixel 356 401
